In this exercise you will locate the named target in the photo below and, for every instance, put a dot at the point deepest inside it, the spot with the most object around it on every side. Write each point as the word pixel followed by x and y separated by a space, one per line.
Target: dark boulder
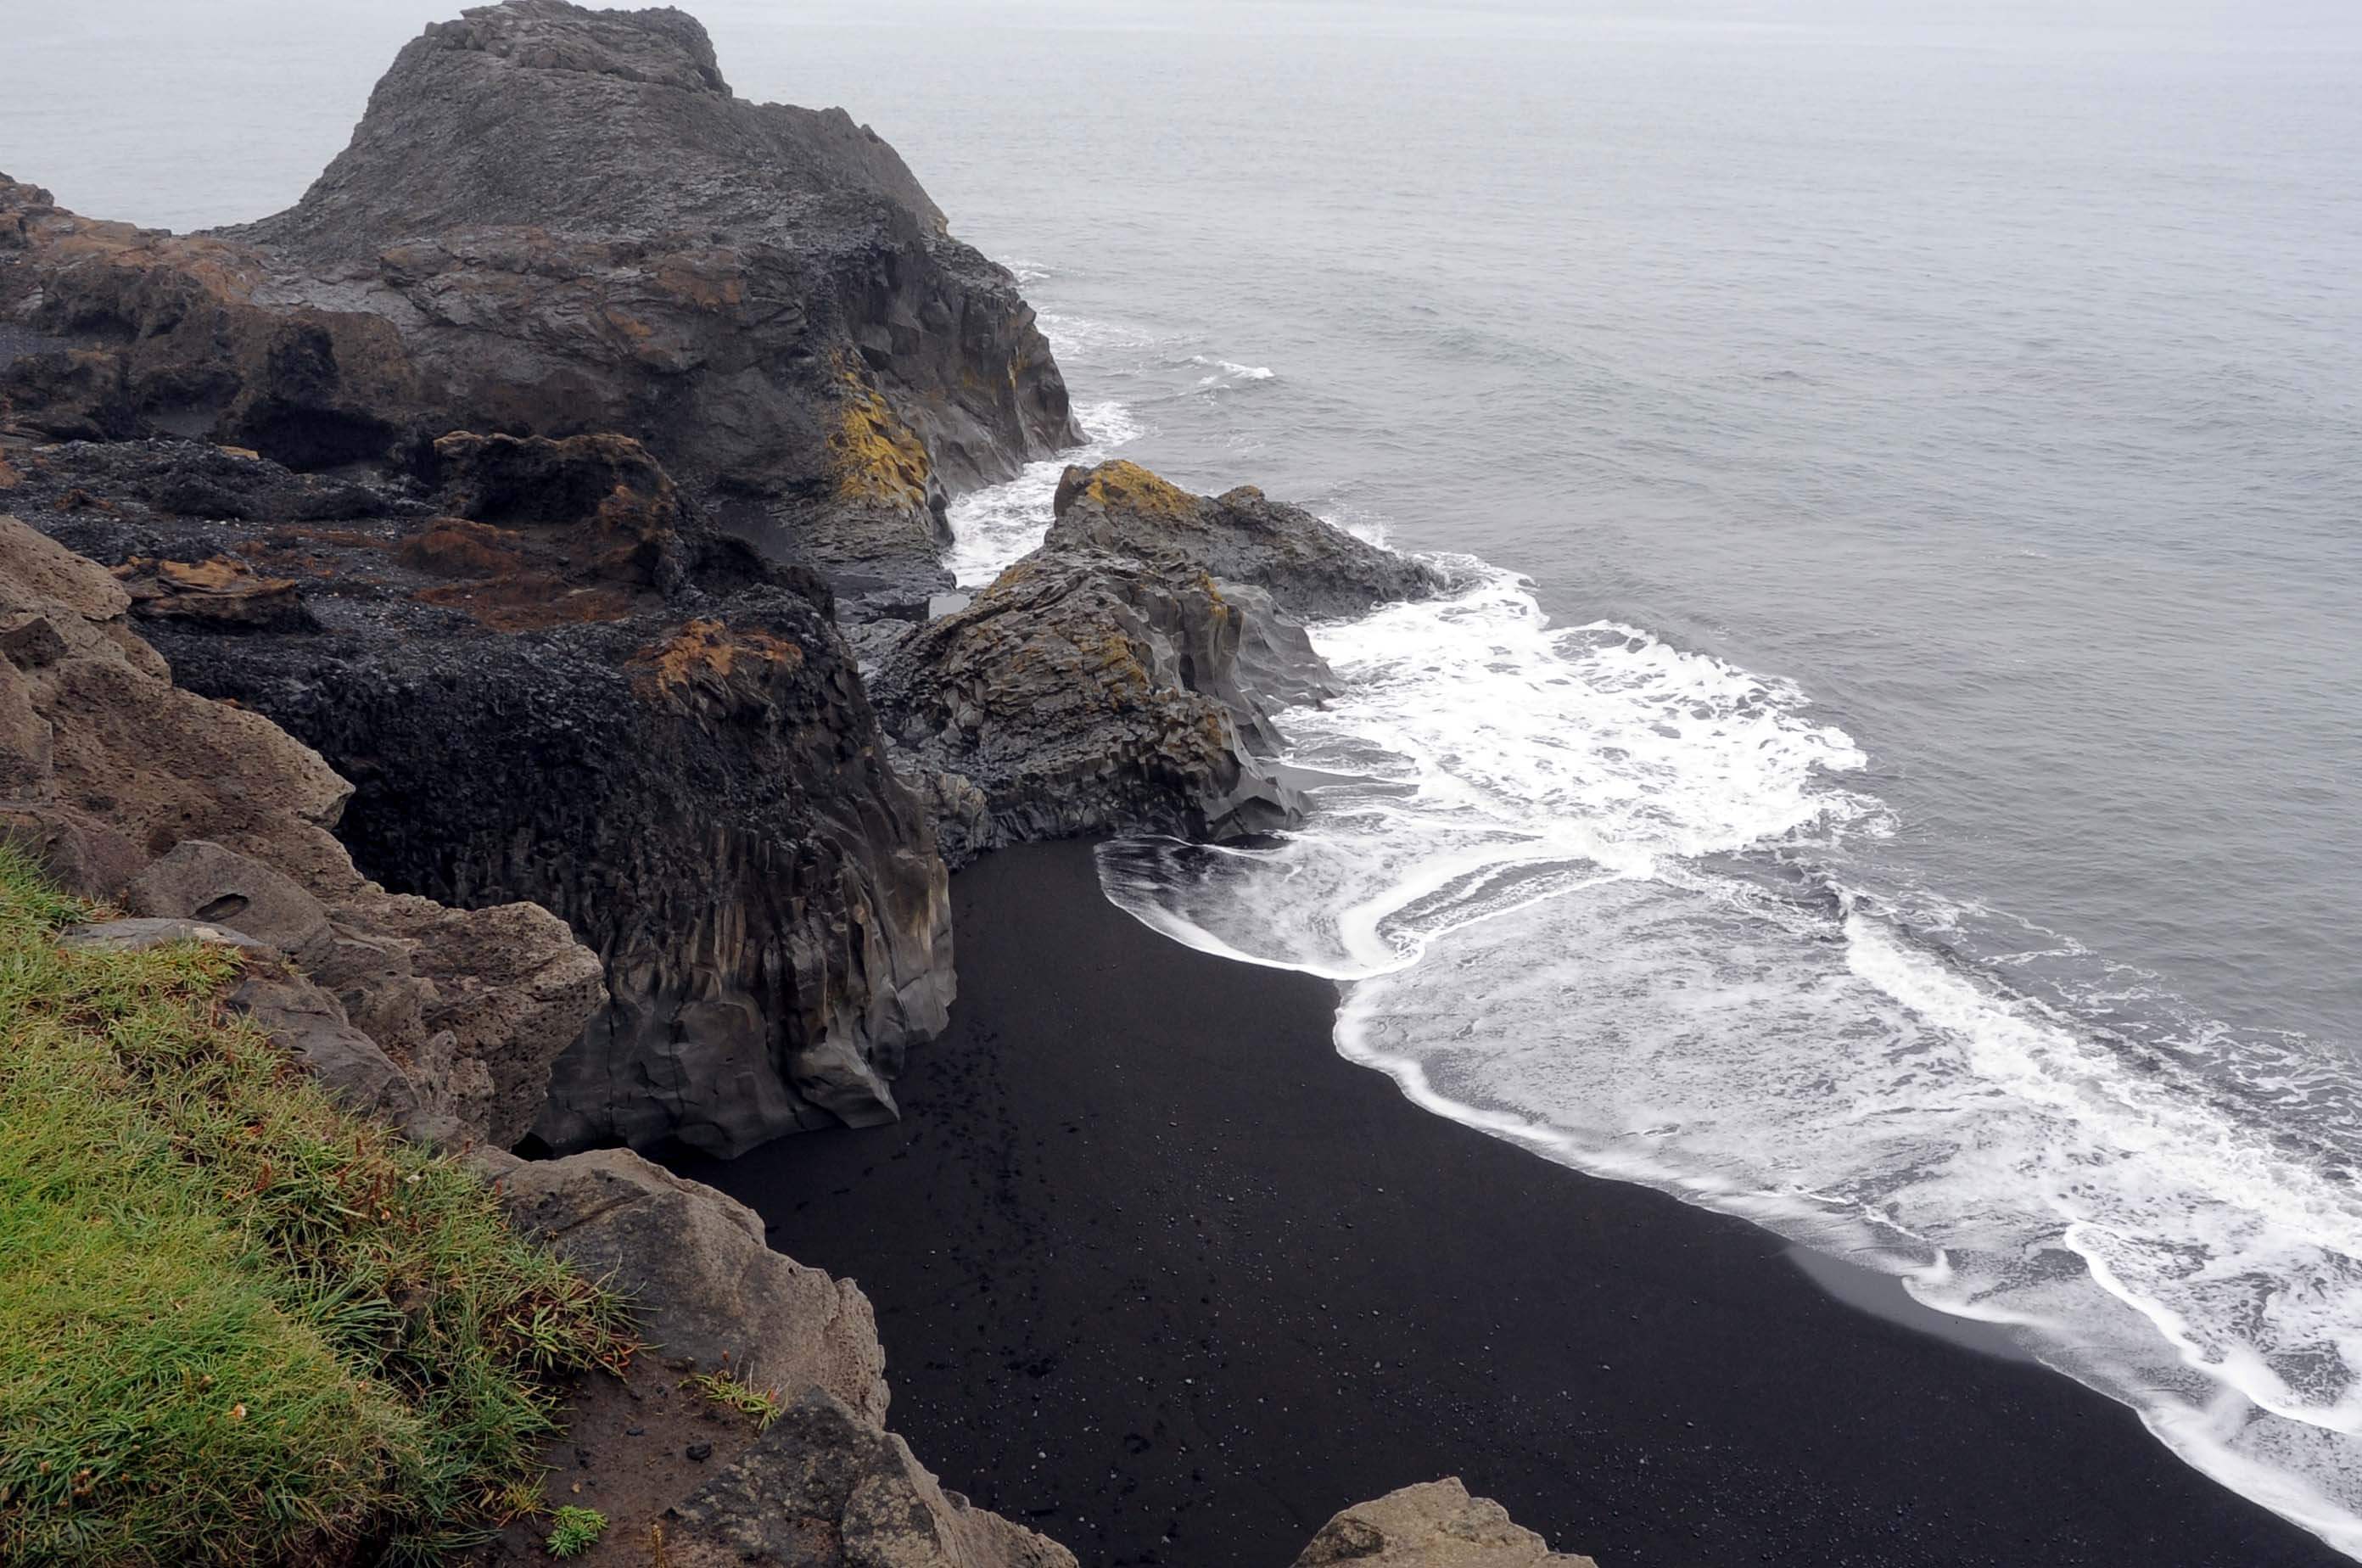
pixel 1085 692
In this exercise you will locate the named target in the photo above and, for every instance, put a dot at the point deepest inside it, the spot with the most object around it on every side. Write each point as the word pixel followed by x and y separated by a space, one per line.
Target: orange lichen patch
pixel 528 602
pixel 453 547
pixel 1126 486
pixel 218 590
pixel 715 281
pixel 708 651
pixel 873 455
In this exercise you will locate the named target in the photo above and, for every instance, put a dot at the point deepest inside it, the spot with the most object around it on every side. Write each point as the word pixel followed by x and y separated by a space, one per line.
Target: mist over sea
pixel 1895 771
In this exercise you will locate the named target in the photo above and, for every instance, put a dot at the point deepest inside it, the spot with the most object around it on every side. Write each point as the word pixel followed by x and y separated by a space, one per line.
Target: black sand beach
pixel 1159 1274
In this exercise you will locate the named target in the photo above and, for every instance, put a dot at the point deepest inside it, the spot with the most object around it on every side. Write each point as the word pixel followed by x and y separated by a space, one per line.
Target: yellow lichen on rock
pixel 1126 486
pixel 873 455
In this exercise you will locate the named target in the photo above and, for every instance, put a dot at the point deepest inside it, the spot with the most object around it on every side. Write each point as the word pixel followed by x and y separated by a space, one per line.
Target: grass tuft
pixel 576 1531
pixel 731 1391
pixel 236 1324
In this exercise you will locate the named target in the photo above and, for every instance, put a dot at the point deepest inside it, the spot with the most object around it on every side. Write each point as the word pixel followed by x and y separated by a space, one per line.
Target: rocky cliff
pixel 551 679
pixel 560 221
pixel 130 789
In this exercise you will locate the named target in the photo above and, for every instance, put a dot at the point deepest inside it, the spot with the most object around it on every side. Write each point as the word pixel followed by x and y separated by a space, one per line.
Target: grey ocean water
pixel 1897 772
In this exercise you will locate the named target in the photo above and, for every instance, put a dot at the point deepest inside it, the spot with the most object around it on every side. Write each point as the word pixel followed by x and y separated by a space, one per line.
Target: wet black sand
pixel 1160 1274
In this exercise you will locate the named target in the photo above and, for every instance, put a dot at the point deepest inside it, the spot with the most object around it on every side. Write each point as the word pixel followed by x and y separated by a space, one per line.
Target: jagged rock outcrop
pixel 1436 1525
pixel 1126 676
pixel 710 1290
pixel 822 1484
pixel 1084 693
pixel 551 678
pixel 560 221
pixel 199 815
pixel 1310 568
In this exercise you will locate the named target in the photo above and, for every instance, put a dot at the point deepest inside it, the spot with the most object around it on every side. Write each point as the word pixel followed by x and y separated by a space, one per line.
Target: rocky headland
pixel 439 592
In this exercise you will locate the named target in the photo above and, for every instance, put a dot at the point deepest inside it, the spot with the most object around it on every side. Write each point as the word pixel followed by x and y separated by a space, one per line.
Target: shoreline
pixel 1161 1275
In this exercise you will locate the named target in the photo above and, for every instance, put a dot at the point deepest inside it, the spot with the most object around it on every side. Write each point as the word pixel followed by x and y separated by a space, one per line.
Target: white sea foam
pixel 992 527
pixel 1565 877
pixel 1078 337
pixel 1225 373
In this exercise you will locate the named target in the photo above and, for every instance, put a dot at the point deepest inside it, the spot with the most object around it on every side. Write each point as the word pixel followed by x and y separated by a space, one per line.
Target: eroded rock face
pixel 1084 693
pixel 1437 1525
pixel 1310 569
pixel 552 678
pixel 560 221
pixel 822 1488
pixel 710 1291
pixel 202 817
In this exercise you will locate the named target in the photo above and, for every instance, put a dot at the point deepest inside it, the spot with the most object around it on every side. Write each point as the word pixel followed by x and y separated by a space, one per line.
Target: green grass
pixel 732 1392
pixel 237 1325
pixel 576 1531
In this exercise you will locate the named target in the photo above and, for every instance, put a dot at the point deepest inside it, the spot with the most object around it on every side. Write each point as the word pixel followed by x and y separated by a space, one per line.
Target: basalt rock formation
pixel 199 816
pixel 1084 693
pixel 1126 676
pixel 1311 570
pixel 551 679
pixel 559 221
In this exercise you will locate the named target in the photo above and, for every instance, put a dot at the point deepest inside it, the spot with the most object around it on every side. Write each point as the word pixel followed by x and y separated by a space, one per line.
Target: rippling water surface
pixel 1895 770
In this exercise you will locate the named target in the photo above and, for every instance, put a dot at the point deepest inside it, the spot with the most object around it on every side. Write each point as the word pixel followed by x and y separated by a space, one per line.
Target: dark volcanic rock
pixel 558 221
pixel 1125 677
pixel 1310 569
pixel 585 695
pixel 1084 693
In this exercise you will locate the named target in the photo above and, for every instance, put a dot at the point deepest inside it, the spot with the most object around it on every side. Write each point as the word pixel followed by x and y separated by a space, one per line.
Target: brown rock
pixel 310 1025
pixel 1435 1525
pixel 81 855
pixel 199 880
pixel 696 1262
pixel 219 592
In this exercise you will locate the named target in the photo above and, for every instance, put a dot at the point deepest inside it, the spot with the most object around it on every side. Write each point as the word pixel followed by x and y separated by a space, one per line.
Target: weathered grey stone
pixel 824 1489
pixel 81 854
pixel 198 879
pixel 696 1262
pixel 1434 1525
pixel 138 935
pixel 311 1026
